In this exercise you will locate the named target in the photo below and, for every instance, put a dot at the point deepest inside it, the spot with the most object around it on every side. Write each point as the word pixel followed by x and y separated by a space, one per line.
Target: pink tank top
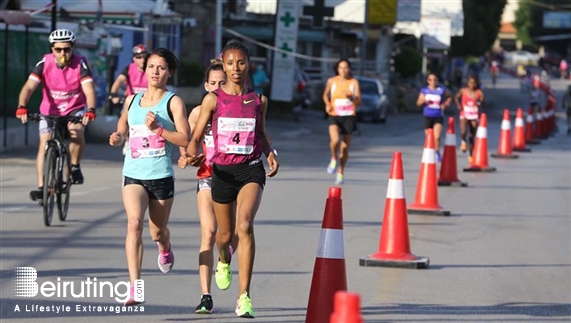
pixel 236 128
pixel 136 80
pixel 470 105
pixel 62 92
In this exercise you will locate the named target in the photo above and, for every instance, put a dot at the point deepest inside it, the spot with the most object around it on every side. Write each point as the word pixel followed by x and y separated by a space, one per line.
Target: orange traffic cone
pixel 480 158
pixel 426 200
pixel 346 308
pixel 529 128
pixel 519 133
pixel 394 245
pixel 448 170
pixel 329 275
pixel 505 147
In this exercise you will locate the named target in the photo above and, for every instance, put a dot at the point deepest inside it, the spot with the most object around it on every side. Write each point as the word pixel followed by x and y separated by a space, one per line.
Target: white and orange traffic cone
pixel 505 146
pixel 426 199
pixel 346 308
pixel 448 169
pixel 519 133
pixel 329 274
pixel 394 244
pixel 480 158
pixel 530 128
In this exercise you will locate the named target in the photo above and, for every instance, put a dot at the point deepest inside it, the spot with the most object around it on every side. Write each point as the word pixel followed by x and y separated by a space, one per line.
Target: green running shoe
pixel 244 306
pixel 223 276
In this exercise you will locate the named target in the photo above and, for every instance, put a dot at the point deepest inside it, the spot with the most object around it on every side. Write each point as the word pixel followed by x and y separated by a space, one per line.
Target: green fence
pixel 16 69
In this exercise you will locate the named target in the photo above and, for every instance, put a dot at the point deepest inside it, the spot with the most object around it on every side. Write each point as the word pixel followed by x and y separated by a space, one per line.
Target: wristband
pixel 267 152
pixel 160 133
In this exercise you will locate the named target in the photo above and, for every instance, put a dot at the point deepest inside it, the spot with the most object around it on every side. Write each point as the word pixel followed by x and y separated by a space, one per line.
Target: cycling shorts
pixel 45 126
pixel 228 180
pixel 157 189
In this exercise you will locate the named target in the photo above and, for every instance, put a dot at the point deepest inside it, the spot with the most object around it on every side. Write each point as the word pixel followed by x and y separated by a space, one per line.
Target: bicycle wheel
pixel 64 185
pixel 49 184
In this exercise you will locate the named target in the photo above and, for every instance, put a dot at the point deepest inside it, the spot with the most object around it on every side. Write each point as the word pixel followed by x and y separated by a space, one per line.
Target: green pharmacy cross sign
pixel 286 48
pixel 287 19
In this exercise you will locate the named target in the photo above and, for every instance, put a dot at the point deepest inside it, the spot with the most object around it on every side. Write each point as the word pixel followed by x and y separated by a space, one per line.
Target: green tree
pixel 481 26
pixel 529 23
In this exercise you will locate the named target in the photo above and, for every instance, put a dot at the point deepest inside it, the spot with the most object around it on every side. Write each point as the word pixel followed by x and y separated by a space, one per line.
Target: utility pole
pixel 218 32
pixel 363 53
pixel 54 15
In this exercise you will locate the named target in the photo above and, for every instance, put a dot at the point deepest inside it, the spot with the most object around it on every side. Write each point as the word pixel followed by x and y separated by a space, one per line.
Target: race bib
pixel 432 101
pixel 343 107
pixel 236 135
pixel 144 143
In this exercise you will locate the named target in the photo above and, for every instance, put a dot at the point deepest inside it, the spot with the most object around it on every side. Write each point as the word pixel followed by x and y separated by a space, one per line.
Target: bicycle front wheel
pixel 64 186
pixel 49 184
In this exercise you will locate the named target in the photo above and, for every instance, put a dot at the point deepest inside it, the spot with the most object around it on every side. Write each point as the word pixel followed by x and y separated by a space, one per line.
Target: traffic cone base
pixel 453 184
pixel 377 260
pixel 479 169
pixel 419 210
pixel 522 150
pixel 510 156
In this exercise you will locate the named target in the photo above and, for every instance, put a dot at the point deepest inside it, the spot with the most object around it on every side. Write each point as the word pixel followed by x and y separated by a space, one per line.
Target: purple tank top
pixel 236 128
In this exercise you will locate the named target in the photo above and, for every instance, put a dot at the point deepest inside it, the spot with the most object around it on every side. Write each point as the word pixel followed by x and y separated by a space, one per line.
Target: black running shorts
pixel 429 122
pixel 227 180
pixel 347 124
pixel 157 189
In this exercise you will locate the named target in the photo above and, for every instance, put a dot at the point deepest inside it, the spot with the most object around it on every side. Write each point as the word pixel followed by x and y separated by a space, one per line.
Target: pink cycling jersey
pixel 136 80
pixel 62 91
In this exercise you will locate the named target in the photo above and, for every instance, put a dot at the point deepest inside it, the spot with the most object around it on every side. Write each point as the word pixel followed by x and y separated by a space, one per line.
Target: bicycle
pixel 57 167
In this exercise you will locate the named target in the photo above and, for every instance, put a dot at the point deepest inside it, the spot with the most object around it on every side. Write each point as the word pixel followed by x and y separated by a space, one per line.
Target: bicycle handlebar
pixel 38 116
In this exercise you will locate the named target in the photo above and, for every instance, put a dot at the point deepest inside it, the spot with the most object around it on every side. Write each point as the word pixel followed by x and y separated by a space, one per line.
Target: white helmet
pixel 62 36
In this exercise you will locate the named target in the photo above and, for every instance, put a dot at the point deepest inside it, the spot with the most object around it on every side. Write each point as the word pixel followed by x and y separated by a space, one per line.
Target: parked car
pixel 301 85
pixel 522 57
pixel 375 103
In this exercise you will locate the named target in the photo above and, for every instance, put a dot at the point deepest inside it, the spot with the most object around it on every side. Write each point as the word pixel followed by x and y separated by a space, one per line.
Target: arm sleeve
pixel 38 71
pixel 85 72
pixel 125 71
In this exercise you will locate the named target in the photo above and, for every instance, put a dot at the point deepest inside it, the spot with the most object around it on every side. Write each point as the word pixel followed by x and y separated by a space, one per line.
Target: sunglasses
pixel 65 49
pixel 139 56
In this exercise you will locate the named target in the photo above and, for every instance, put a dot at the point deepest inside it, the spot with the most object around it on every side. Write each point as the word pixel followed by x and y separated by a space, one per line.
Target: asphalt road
pixel 504 255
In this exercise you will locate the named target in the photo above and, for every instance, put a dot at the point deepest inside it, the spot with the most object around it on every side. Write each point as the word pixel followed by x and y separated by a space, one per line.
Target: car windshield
pixel 368 87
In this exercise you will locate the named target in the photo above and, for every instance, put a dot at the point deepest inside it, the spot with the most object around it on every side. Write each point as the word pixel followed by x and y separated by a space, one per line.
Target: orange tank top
pixel 340 89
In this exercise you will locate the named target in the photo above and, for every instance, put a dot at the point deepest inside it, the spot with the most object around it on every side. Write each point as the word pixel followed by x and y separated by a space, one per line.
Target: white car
pixel 522 57
pixel 375 103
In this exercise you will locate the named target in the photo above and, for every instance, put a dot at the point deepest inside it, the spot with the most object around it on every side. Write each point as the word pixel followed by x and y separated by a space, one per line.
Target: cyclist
pixel 68 90
pixel 469 101
pixel 494 70
pixel 133 77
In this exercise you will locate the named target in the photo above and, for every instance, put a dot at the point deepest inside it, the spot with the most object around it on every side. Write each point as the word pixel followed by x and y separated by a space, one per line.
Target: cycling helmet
pixel 139 49
pixel 62 36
